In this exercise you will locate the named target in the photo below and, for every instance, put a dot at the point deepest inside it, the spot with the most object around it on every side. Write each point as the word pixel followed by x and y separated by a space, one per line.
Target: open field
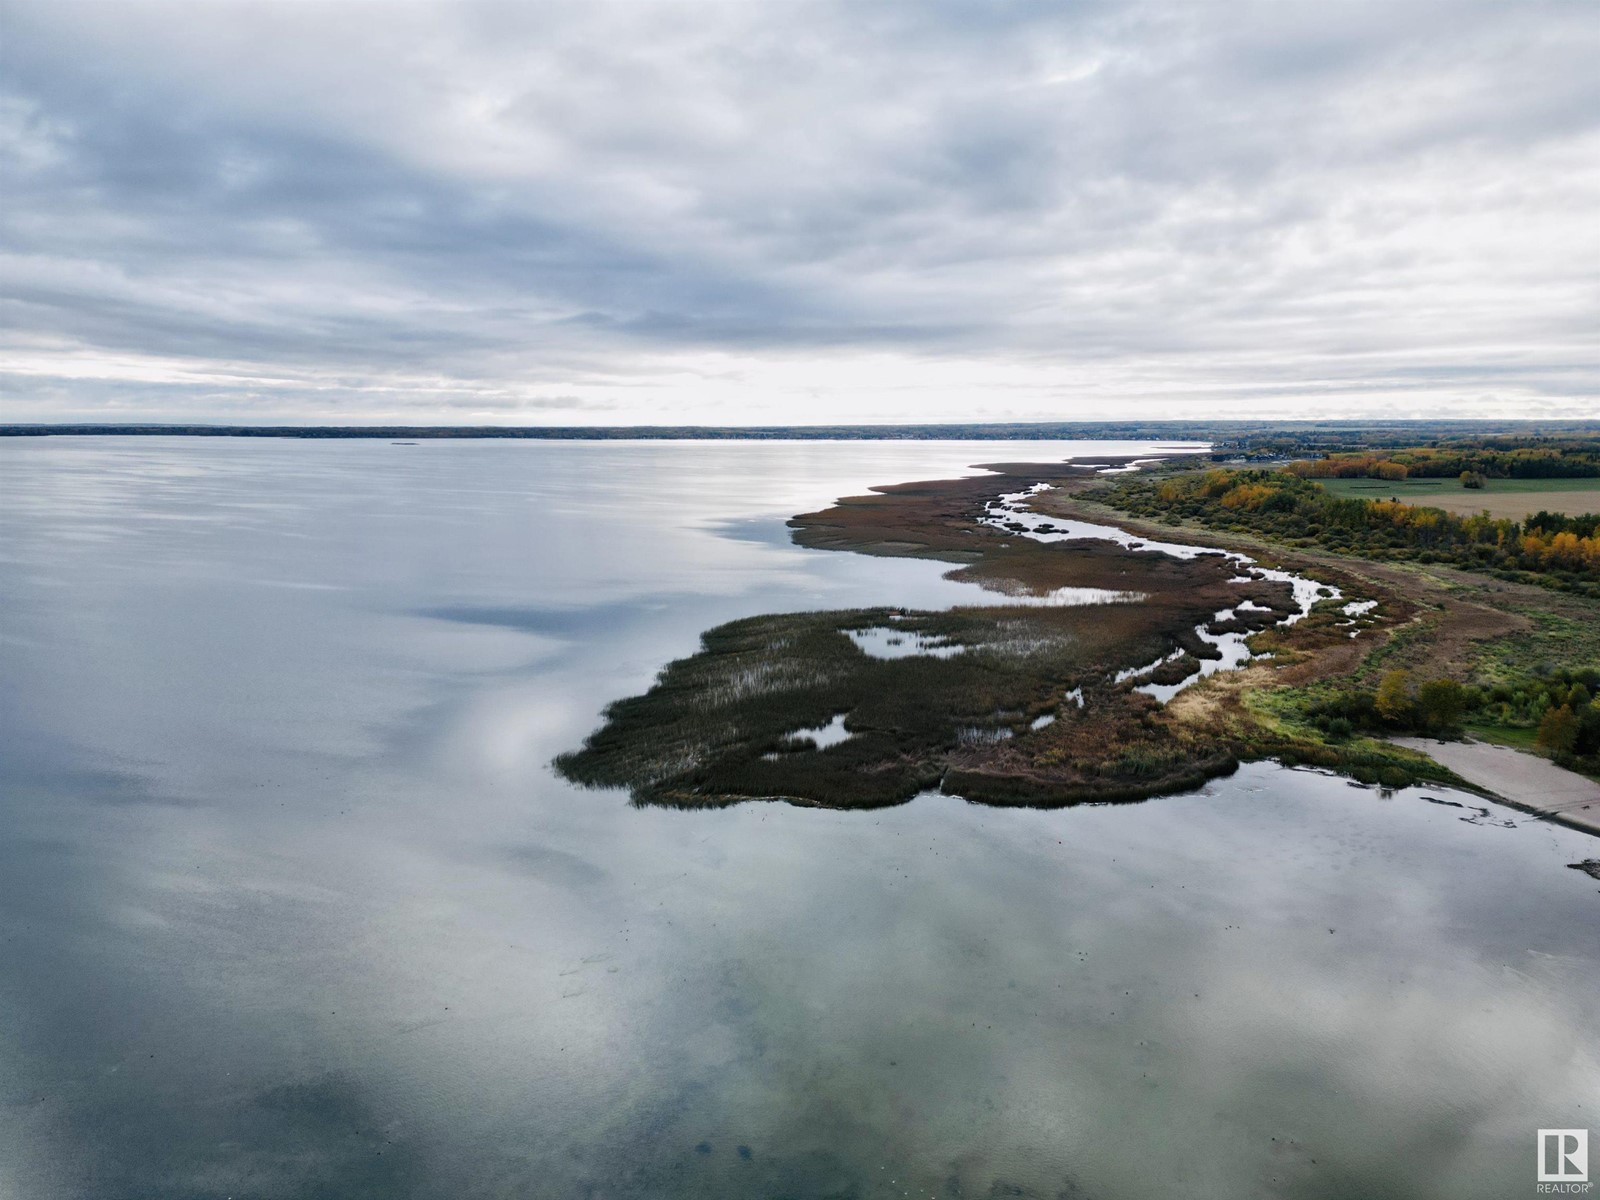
pixel 1510 498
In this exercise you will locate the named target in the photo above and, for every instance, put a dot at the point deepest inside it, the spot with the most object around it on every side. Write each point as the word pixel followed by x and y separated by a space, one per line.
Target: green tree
pixel 1393 700
pixel 1440 704
pixel 1588 741
pixel 1558 732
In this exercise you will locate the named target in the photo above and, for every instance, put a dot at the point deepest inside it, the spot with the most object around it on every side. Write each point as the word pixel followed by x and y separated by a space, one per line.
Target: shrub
pixel 1393 700
pixel 1558 731
pixel 1441 704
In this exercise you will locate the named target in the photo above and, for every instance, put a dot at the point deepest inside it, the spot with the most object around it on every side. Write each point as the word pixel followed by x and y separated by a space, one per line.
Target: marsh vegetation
pixel 982 709
pixel 1008 703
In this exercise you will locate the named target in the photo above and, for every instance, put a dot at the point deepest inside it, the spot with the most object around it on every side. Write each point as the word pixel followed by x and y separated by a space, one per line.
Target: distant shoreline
pixel 1215 431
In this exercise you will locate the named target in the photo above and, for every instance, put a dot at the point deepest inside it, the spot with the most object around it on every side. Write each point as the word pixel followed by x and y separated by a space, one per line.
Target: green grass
pixel 1554 641
pixel 1505 735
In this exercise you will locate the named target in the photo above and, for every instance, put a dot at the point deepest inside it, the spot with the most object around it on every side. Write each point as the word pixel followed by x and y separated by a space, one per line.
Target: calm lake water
pixel 292 905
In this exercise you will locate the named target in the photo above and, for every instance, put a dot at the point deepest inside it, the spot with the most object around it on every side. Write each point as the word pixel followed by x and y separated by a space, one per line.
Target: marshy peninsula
pixel 1098 662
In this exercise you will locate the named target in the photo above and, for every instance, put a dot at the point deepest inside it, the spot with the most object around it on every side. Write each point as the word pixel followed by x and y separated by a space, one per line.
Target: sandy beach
pixel 1525 780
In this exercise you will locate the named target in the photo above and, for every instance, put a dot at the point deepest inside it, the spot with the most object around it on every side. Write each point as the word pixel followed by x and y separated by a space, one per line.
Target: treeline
pixel 1549 549
pixel 1560 707
pixel 1574 459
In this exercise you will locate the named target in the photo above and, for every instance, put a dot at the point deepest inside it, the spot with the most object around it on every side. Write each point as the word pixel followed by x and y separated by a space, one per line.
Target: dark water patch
pixel 566 621
pixel 43 765
pixel 556 866
pixel 303 1140
pixel 761 531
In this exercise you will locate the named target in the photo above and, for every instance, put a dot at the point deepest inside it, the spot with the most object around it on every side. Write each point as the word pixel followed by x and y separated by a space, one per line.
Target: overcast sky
pixel 770 212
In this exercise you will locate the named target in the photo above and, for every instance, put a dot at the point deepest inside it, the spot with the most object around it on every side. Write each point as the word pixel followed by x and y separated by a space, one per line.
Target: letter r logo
pixel 1563 1156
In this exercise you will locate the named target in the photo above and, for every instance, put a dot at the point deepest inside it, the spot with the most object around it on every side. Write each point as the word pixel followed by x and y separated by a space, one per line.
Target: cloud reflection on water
pixel 380 948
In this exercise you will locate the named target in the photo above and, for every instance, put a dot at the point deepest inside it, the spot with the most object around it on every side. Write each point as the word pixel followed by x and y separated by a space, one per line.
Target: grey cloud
pixel 463 205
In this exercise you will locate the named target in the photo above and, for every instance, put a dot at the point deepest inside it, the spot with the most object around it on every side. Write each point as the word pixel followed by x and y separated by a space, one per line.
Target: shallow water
pixel 883 641
pixel 292 905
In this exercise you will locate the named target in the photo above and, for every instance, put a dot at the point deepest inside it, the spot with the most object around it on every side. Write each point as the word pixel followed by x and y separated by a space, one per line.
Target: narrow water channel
pixel 1013 513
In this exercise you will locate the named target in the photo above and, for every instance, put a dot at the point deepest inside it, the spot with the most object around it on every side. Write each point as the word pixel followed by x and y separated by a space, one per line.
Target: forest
pixel 1489 458
pixel 1549 549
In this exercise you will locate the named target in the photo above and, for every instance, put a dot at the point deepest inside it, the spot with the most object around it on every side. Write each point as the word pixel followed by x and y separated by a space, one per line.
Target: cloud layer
pixel 780 212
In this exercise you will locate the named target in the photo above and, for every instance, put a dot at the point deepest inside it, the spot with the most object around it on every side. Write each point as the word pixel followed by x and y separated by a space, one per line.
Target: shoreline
pixel 1523 781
